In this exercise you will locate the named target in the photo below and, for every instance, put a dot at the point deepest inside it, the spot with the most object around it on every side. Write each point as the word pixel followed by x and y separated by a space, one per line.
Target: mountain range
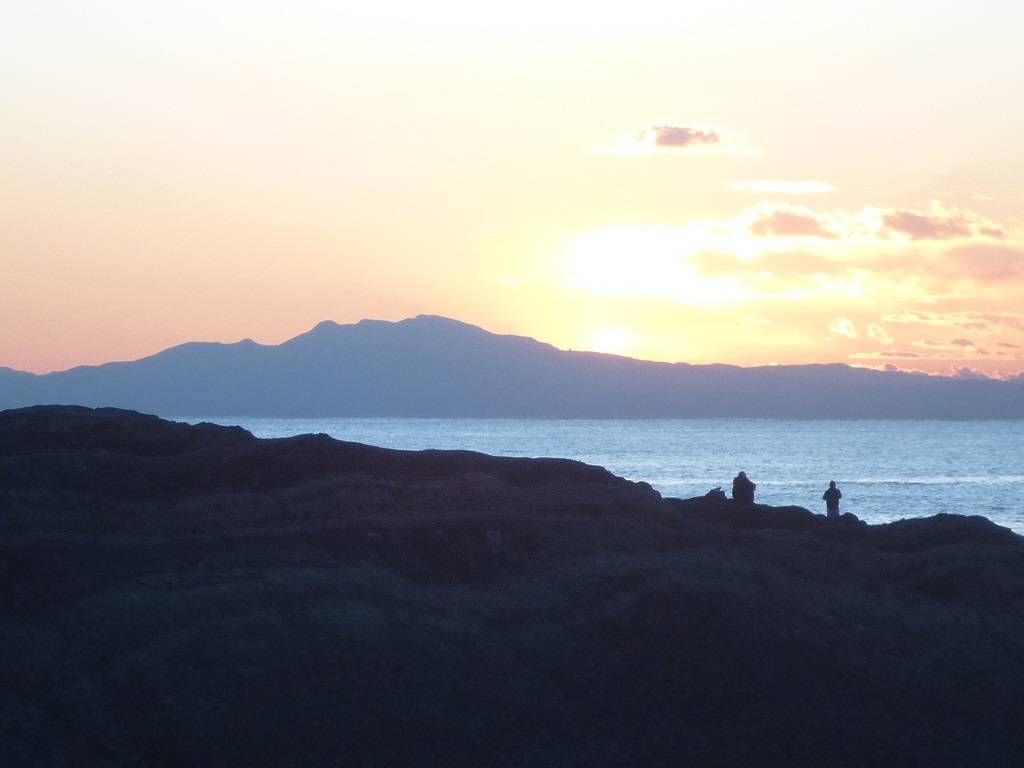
pixel 430 366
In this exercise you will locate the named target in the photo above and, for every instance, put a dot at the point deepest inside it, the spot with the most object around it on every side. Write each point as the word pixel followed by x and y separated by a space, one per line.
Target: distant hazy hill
pixel 432 366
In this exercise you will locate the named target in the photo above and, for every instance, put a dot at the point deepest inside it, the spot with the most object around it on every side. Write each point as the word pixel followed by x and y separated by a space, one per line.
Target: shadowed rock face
pixel 189 595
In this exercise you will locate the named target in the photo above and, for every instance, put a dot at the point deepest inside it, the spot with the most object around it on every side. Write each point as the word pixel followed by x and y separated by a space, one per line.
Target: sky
pixel 735 182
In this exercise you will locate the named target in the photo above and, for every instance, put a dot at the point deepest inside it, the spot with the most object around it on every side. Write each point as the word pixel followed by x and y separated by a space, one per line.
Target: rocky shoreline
pixel 175 594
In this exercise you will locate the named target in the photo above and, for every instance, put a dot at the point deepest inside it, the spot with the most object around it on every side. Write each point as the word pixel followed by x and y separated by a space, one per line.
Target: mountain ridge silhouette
pixel 434 366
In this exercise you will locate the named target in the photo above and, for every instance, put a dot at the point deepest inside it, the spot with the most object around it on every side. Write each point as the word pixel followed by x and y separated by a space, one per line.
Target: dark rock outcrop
pixel 174 594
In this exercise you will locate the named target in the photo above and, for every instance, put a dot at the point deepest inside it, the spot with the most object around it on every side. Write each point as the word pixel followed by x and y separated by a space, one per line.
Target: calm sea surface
pixel 886 469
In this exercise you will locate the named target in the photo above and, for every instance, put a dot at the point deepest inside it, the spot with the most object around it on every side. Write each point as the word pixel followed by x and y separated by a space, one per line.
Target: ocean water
pixel 887 470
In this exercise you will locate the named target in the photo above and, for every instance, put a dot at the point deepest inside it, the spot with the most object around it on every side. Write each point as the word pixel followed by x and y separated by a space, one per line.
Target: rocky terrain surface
pixel 190 595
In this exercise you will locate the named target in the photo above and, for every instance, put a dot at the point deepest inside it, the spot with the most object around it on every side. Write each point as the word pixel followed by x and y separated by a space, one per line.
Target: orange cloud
pixel 871 224
pixel 790 223
pixel 939 224
pixel 967 320
pixel 884 354
pixel 989 262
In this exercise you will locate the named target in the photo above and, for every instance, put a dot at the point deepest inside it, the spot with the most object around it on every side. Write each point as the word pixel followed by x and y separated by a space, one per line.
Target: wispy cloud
pixel 925 351
pixel 964 372
pixel 954 370
pixel 790 221
pixel 840 326
pixel 955 347
pixel 987 261
pixel 886 354
pixel 879 334
pixel 678 139
pixel 861 362
pixel 919 227
pixel 872 224
pixel 939 223
pixel 782 187
pixel 965 320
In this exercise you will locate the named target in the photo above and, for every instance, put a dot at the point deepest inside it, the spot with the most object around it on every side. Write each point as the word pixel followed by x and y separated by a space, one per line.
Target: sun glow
pixel 614 341
pixel 632 263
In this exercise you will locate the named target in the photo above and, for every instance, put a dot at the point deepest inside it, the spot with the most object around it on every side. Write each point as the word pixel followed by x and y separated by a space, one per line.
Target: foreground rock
pixel 189 595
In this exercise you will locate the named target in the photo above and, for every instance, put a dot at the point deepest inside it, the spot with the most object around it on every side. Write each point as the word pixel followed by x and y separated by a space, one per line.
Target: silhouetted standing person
pixel 832 497
pixel 743 488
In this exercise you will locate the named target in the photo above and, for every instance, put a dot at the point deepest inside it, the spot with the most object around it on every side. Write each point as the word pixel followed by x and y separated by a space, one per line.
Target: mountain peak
pixel 438 321
pixel 424 321
pixel 324 325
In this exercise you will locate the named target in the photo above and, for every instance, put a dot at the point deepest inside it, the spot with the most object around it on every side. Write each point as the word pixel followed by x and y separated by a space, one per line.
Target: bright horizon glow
pixel 613 341
pixel 715 183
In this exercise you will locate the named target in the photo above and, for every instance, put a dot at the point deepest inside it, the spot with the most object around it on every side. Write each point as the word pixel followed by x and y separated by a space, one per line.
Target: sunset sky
pixel 733 182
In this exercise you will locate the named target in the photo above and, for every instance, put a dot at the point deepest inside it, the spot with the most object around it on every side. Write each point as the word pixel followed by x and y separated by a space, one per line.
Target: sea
pixel 887 470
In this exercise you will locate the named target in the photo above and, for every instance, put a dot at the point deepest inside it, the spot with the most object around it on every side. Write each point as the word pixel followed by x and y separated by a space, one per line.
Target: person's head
pixel 831 483
pixel 743 474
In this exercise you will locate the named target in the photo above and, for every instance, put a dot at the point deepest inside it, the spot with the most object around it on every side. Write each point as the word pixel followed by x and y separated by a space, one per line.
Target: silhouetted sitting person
pixel 743 489
pixel 832 497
